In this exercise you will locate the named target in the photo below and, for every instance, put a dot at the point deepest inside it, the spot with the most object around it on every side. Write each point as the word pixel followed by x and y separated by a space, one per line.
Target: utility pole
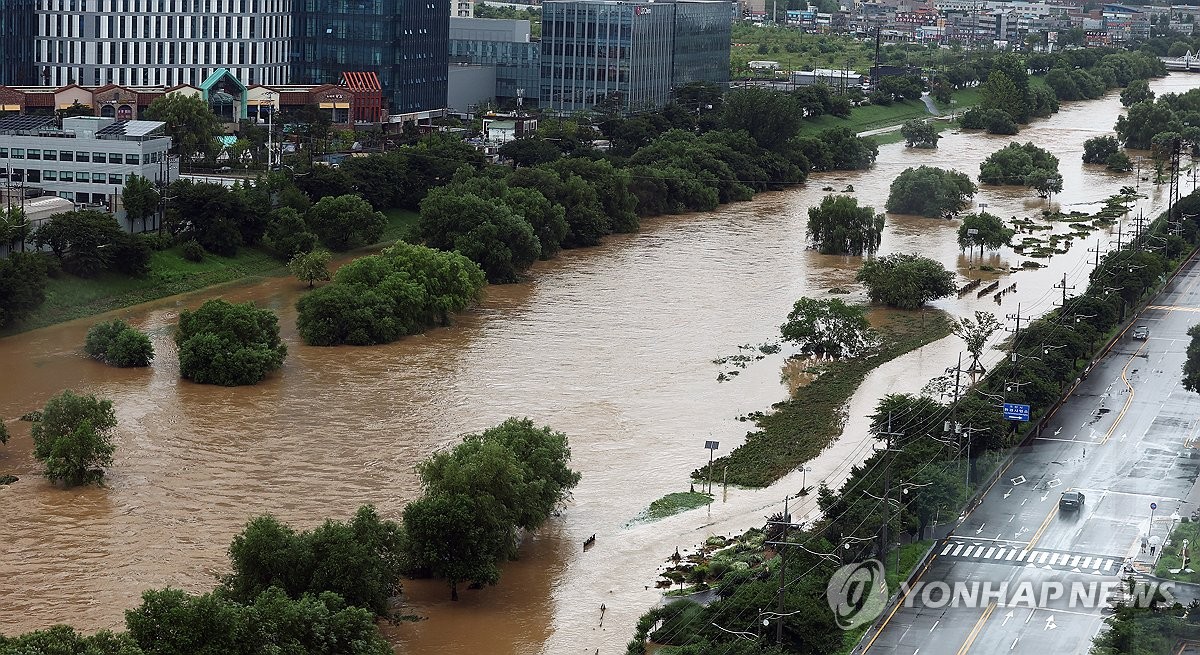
pixel 1096 250
pixel 1016 335
pixel 887 484
pixel 787 521
pixel 1064 288
pixel 1138 227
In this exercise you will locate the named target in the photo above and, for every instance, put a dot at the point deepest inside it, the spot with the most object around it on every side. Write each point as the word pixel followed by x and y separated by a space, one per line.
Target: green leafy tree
pixel 1136 129
pixel 3 432
pixel 985 231
pixel 930 191
pixel 1137 91
pixel 72 438
pixel 359 560
pixel 530 151
pixel 770 117
pixel 170 621
pixel 1191 366
pixel 1016 164
pixel 919 134
pixel 310 267
pixel 140 198
pixel 287 233
pixel 838 226
pixel 207 213
pixel 116 343
pixel 380 298
pixel 228 344
pixel 905 281
pixel 345 222
pixel 490 234
pixel 1097 150
pixel 1118 162
pixel 63 640
pixel 1007 87
pixel 80 240
pixel 190 123
pixel 320 181
pixel 1044 181
pixel 828 327
pixel 975 333
pixel 450 542
pixel 22 286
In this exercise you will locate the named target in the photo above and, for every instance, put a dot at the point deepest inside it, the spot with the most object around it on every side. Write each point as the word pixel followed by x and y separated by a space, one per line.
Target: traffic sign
pixel 711 445
pixel 1015 412
pixel 1153 505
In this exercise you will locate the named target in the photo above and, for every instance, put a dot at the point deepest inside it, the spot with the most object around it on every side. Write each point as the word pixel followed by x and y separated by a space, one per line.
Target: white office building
pixel 161 42
pixel 87 161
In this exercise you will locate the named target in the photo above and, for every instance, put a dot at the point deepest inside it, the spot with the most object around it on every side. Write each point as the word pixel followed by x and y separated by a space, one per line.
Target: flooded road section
pixel 612 345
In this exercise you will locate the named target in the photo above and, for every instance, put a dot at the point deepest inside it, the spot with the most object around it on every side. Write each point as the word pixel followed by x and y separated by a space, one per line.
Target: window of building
pixel 114 158
pixel 3 153
pixel 114 178
pixel 50 176
pixel 34 175
pixel 67 195
pixel 132 159
pixel 82 156
pixel 97 157
pixel 98 177
pixel 18 153
pixel 50 155
pixel 66 155
pixel 16 175
pixel 66 176
pixel 33 153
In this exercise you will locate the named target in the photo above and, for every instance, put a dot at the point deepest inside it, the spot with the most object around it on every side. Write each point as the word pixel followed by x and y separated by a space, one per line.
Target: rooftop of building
pixel 100 128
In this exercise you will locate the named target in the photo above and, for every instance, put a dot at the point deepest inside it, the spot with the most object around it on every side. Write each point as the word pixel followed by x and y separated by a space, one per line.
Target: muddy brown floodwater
pixel 613 345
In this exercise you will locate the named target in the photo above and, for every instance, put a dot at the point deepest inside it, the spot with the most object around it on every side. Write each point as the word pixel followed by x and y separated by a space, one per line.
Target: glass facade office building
pixel 592 49
pixel 505 44
pixel 18 30
pixel 404 41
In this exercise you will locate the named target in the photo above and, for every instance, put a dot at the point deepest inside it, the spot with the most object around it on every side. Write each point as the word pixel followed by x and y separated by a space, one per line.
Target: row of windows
pixel 35 176
pixel 78 155
pixel 172 6
pixel 60 75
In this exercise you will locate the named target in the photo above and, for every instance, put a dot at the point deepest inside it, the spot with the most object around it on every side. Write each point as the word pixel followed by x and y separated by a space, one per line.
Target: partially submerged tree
pixel 828 327
pixel 985 231
pixel 976 334
pixel 919 133
pixel 838 226
pixel 905 281
pixel 116 343
pixel 930 191
pixel 72 438
pixel 228 344
pixel 310 267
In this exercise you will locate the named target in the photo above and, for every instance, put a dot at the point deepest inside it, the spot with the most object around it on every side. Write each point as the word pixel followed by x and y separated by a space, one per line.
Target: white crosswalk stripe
pixel 1047 559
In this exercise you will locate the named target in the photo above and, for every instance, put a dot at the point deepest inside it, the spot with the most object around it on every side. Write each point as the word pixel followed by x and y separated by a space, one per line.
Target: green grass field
pixel 70 297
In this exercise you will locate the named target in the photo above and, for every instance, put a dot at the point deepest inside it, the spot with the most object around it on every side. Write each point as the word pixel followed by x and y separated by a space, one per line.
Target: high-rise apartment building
pixel 17 33
pixel 592 49
pixel 404 41
pixel 161 42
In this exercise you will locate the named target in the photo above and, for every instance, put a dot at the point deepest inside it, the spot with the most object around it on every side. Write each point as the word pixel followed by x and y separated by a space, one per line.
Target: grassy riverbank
pixel 674 503
pixel 69 297
pixel 874 117
pixel 800 428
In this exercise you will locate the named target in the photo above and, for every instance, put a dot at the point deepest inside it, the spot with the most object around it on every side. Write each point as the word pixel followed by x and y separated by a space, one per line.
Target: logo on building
pixel 641 11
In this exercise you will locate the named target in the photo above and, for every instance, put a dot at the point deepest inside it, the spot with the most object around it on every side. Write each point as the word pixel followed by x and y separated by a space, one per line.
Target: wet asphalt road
pixel 1126 438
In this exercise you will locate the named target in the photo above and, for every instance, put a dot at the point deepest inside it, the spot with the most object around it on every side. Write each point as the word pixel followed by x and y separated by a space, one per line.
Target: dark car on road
pixel 1141 332
pixel 1070 501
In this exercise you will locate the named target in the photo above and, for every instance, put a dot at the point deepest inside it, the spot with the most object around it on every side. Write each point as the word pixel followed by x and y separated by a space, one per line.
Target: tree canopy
pixel 380 298
pixel 919 133
pixel 477 495
pixel 828 327
pixel 72 438
pixel 1191 367
pixel 488 233
pixel 310 267
pixel 930 191
pixel 1020 164
pixel 983 230
pixel 345 222
pixel 905 281
pixel 190 123
pixel 116 343
pixel 228 344
pixel 1098 149
pixel 838 226
pixel 22 286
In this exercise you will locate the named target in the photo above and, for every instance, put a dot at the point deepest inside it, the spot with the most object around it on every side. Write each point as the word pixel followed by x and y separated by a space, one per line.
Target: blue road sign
pixel 711 445
pixel 1153 505
pixel 1015 412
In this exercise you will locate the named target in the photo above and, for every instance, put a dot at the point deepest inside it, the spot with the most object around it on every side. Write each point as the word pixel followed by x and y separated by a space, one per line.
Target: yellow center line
pixel 899 604
pixel 1042 528
pixel 1128 399
pixel 977 629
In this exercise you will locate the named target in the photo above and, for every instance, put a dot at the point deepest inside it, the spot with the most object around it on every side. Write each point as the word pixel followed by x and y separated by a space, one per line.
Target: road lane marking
pixel 1042 557
pixel 1042 529
pixel 947 548
pixel 1107 565
pixel 899 603
pixel 1097 566
pixel 1074 562
pixel 957 550
pixel 1128 398
pixel 1054 559
pixel 1087 562
pixel 1021 558
pixel 978 627
pixel 1010 554
pixel 989 553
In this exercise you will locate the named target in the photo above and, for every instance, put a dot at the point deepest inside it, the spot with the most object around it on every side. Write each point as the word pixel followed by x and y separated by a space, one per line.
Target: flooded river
pixel 612 345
